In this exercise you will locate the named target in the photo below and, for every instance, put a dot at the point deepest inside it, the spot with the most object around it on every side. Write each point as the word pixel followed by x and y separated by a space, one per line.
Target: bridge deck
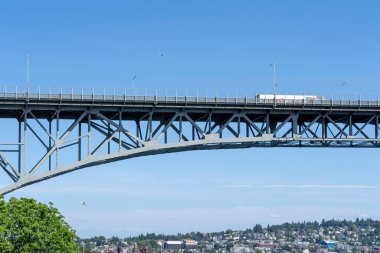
pixel 12 105
pixel 188 101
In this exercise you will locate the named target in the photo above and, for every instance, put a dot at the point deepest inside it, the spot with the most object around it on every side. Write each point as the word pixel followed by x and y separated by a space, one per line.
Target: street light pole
pixel 274 81
pixel 133 84
pixel 27 77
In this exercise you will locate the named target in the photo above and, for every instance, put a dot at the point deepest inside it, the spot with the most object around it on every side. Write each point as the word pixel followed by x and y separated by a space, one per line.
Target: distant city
pixel 361 235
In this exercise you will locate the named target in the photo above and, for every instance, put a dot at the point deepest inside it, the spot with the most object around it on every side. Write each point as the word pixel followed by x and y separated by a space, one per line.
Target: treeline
pixel 351 225
pixel 288 227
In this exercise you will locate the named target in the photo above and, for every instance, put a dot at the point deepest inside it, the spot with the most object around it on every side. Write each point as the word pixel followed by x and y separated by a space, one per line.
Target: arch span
pixel 154 149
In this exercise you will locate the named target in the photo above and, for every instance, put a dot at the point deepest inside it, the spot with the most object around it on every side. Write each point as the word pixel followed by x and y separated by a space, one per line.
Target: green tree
pixel 229 231
pixel 28 226
pixel 258 228
pixel 151 244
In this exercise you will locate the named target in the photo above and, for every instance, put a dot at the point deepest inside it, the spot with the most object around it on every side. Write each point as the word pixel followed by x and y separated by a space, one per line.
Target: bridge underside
pixel 43 140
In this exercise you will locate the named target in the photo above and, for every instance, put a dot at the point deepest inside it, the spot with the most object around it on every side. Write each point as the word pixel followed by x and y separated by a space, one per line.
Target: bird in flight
pixel 343 84
pixel 84 203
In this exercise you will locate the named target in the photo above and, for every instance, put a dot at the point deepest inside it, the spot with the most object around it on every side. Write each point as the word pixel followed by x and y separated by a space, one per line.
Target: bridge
pixel 47 134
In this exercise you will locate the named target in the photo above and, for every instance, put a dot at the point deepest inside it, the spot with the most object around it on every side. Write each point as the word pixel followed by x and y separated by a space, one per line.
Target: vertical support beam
pixel 80 141
pixel 138 132
pixel 165 129
pixel 120 127
pixel 294 124
pixel 180 128
pixel 193 133
pixel 350 125
pixel 247 129
pixel 324 129
pixel 19 146
pixel 209 122
pixel 377 128
pixel 25 141
pixel 150 125
pixel 137 129
pixel 50 133
pixel 89 135
pixel 56 139
pixel 108 136
pixel 238 125
pixel 299 131
pixel 267 128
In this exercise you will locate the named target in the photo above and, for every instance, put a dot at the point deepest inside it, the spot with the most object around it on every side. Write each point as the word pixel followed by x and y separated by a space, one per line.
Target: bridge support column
pixel 19 146
pixel 350 124
pixel 350 127
pixel 89 135
pixel 50 136
pixel 377 128
pixel 108 137
pixel 57 138
pixel 80 142
pixel 294 124
pixel 324 129
pixel 267 128
pixel 25 142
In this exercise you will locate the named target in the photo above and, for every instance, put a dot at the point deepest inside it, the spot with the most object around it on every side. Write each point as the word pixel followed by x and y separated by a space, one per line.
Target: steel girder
pixel 54 140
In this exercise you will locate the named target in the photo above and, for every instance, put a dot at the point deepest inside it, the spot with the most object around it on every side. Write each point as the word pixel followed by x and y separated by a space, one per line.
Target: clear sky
pixel 214 45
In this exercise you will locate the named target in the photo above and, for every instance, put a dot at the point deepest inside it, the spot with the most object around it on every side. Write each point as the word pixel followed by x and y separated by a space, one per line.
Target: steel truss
pixel 69 137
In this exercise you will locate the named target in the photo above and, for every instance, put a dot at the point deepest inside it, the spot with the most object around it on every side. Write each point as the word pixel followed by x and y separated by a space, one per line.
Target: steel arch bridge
pixel 45 135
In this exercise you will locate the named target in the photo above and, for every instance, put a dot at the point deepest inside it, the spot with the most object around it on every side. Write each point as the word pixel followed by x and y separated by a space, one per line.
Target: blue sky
pixel 214 45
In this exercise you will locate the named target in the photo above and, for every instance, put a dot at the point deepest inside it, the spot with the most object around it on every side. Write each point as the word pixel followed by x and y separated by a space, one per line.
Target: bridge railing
pixel 50 93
